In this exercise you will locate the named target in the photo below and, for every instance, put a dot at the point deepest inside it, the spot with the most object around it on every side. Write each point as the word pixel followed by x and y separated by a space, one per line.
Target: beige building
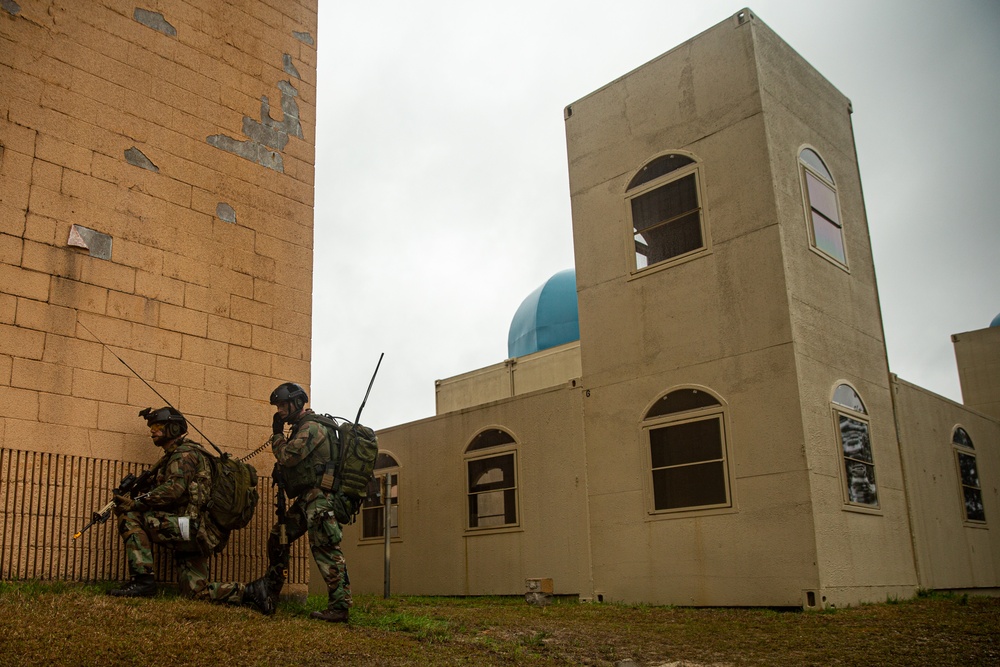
pixel 724 428
pixel 156 209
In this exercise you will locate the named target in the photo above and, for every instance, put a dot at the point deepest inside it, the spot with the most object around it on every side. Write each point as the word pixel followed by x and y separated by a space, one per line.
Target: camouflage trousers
pixel 312 512
pixel 139 530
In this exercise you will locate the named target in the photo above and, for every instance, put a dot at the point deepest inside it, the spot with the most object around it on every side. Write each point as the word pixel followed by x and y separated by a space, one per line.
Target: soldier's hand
pixel 277 424
pixel 123 504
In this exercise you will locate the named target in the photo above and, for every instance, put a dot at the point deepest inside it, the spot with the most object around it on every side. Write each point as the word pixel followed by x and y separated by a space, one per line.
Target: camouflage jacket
pixel 302 456
pixel 183 482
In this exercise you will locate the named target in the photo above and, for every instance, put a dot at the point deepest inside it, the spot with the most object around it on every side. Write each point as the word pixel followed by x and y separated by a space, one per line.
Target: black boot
pixel 257 594
pixel 141 586
pixel 331 615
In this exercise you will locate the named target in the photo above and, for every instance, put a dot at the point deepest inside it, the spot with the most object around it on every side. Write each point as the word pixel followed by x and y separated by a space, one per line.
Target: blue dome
pixel 996 321
pixel 547 318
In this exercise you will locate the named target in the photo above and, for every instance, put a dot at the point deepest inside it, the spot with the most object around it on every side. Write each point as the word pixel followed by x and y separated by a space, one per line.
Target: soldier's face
pixel 158 433
pixel 284 409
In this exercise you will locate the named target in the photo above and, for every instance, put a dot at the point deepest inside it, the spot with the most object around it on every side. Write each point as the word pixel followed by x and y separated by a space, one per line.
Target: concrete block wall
pixel 156 193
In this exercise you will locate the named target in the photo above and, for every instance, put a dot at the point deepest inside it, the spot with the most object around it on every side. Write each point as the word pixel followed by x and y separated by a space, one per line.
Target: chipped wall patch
pixel 10 7
pixel 289 66
pixel 155 21
pixel 137 158
pixel 304 37
pixel 98 243
pixel 225 212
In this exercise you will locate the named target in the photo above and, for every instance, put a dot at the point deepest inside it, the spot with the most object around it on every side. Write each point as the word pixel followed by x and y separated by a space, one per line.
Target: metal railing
pixel 45 498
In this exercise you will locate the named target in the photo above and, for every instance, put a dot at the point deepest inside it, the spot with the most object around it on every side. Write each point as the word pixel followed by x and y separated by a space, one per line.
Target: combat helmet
pixel 174 422
pixel 292 393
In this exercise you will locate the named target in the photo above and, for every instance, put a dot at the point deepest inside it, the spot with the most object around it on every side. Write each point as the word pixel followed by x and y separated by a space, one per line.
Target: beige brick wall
pixel 212 314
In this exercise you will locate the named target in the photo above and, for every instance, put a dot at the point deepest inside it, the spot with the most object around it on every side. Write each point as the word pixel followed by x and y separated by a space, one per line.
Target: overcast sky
pixel 442 195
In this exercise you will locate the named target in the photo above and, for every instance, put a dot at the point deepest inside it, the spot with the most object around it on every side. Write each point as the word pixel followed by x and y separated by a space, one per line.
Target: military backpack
pixel 349 470
pixel 233 496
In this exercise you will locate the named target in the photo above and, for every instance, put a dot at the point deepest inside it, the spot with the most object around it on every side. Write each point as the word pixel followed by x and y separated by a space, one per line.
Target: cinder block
pixel 250 361
pixel 183 320
pixel 162 288
pixel 279 342
pixel 200 350
pixel 186 269
pixel 248 410
pixel 229 382
pixel 21 282
pixel 76 294
pixel 43 230
pixel 18 403
pixel 155 340
pixel 8 308
pixel 67 410
pixel 42 316
pixel 6 362
pixel 41 376
pixel 239 285
pixel 46 437
pixel 229 331
pixel 206 300
pixel 195 401
pixel 46 174
pixel 45 258
pixel 110 274
pixel 99 386
pixel 140 394
pixel 10 249
pixel 12 218
pixel 74 352
pixel 133 308
pixel 180 373
pixel 253 312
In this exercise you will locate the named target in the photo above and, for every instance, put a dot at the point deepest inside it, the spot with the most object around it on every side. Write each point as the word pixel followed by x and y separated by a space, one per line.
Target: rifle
pixel 129 484
pixel 278 480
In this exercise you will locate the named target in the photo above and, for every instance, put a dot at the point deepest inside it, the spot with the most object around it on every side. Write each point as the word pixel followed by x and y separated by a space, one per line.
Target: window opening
pixel 826 228
pixel 855 443
pixel 666 213
pixel 373 505
pixel 492 481
pixel 685 433
pixel 972 492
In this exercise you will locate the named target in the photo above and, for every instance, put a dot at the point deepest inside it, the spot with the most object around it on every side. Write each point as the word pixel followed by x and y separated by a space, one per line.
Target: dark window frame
pixel 969 482
pixel 686 227
pixel 481 450
pixel 857 455
pixel 687 411
pixel 372 506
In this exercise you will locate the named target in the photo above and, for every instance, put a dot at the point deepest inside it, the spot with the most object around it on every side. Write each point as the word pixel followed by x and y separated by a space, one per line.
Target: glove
pixel 123 504
pixel 277 424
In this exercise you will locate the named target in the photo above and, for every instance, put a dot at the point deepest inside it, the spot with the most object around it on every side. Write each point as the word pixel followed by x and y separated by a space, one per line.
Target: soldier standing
pixel 173 513
pixel 302 457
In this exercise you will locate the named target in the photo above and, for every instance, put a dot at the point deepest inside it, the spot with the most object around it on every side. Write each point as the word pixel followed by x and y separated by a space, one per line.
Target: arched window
pixel 968 476
pixel 373 506
pixel 685 435
pixel 855 445
pixel 491 475
pixel 664 207
pixel 826 231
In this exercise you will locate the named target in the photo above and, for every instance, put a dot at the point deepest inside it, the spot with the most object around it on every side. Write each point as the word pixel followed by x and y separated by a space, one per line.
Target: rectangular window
pixel 859 466
pixel 373 508
pixel 688 465
pixel 972 494
pixel 492 492
pixel 666 221
pixel 828 235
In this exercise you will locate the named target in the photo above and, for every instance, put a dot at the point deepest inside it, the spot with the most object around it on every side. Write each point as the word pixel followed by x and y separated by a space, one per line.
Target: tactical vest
pixel 308 472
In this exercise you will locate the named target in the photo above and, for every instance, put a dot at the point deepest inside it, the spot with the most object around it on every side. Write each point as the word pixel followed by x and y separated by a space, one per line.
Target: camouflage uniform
pixel 298 459
pixel 171 514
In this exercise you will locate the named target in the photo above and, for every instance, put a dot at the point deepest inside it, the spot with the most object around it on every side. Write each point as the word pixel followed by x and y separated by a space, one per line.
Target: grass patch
pixel 60 623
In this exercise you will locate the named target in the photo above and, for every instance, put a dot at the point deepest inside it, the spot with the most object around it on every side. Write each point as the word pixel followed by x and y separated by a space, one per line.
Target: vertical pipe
pixel 386 523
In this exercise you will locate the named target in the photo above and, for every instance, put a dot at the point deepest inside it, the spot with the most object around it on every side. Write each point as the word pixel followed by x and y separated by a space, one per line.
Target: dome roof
pixel 996 321
pixel 546 318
